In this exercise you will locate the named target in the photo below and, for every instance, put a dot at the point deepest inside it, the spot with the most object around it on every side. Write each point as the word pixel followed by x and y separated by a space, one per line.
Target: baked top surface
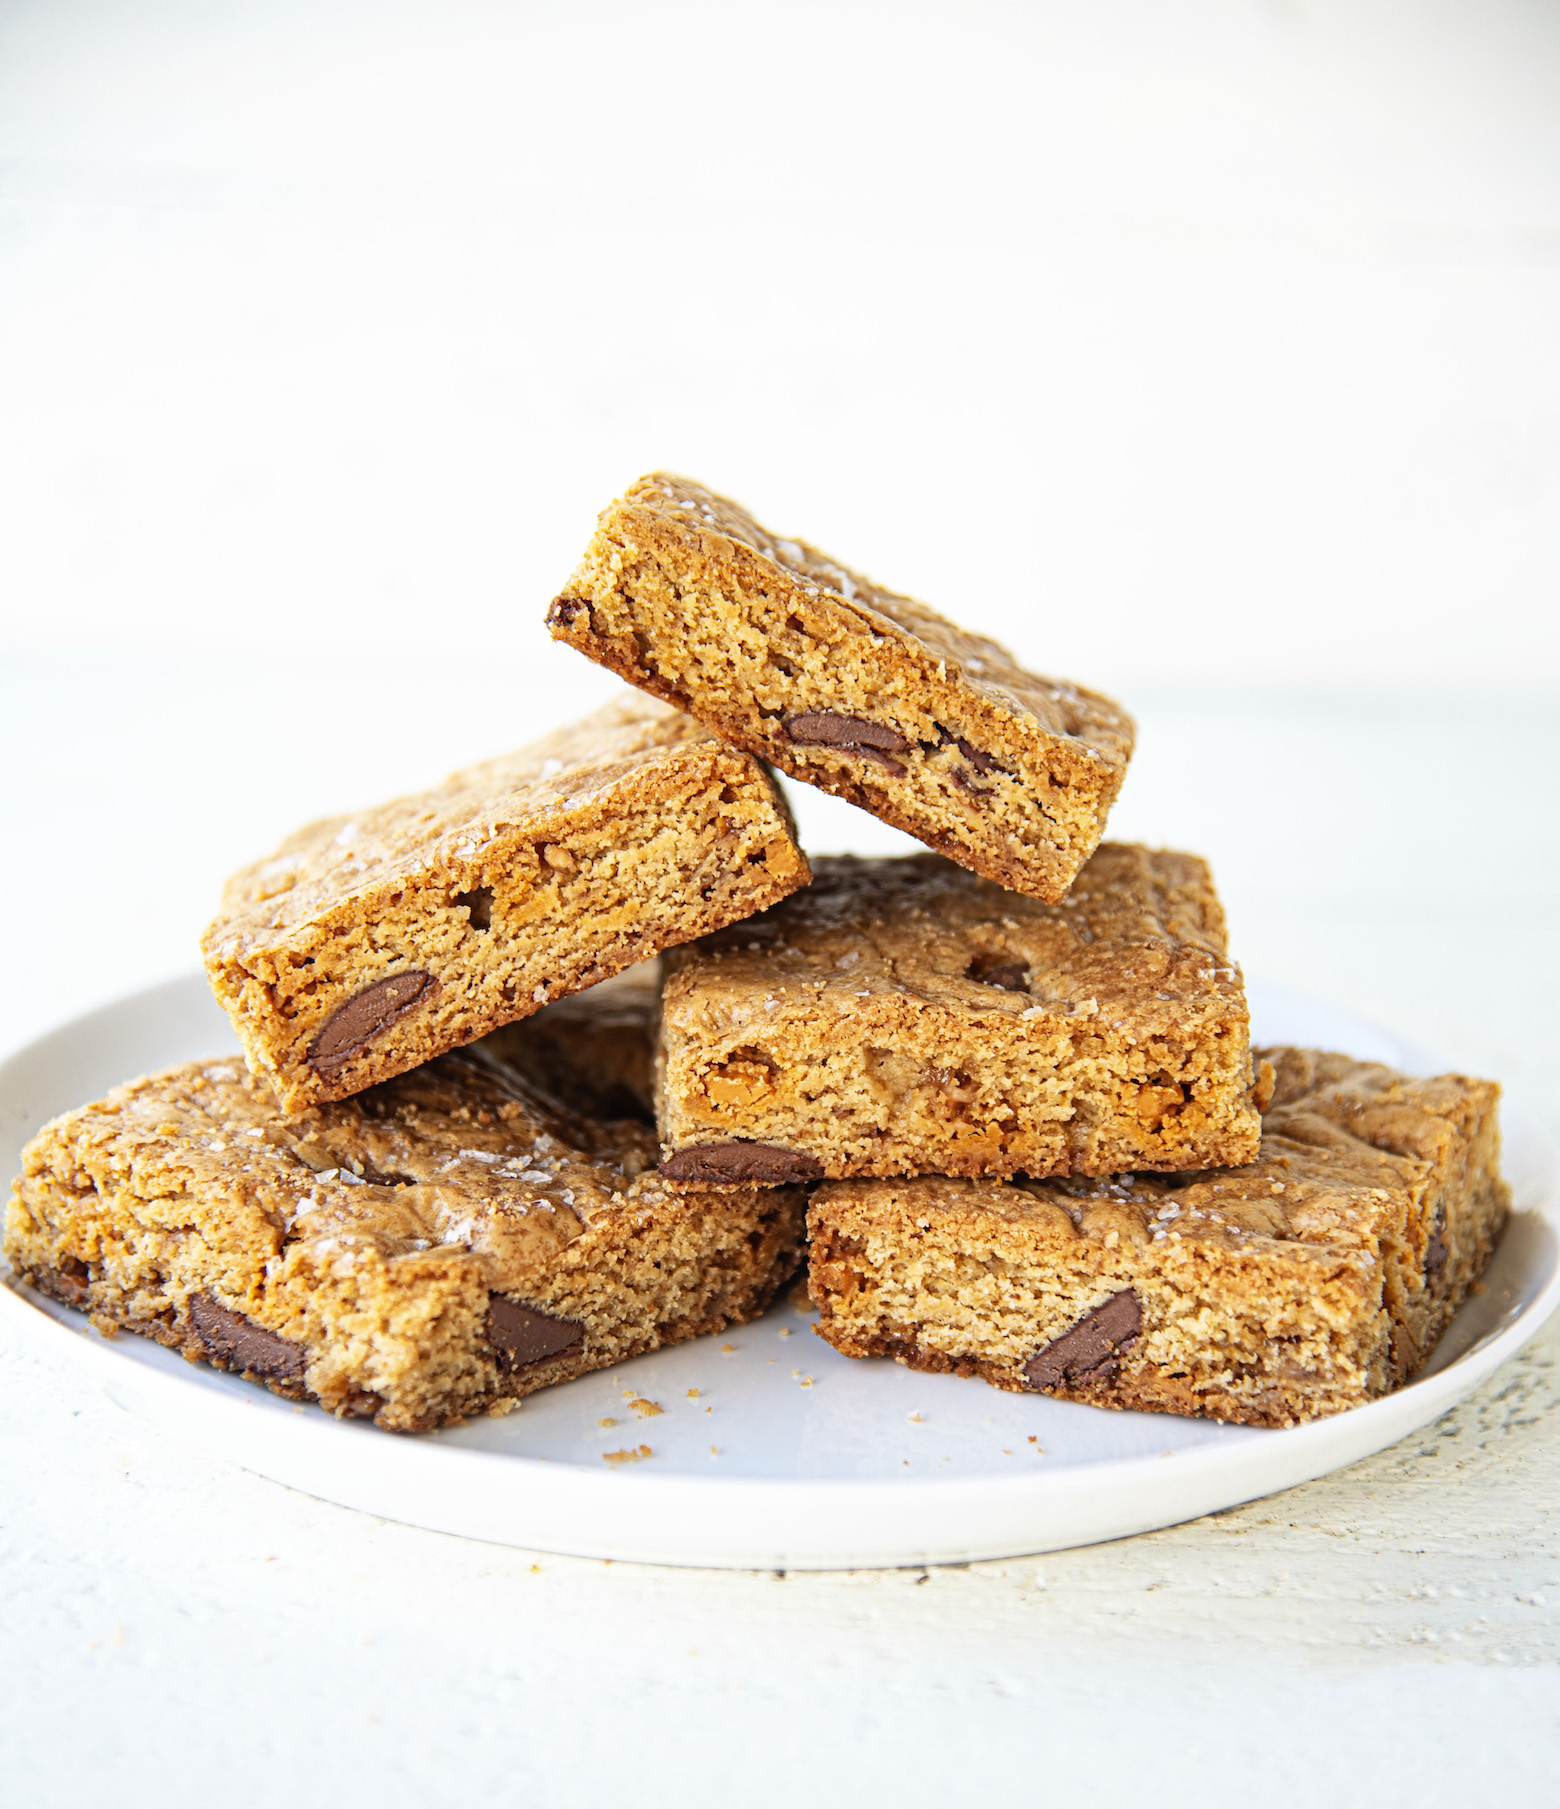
pixel 531 790
pixel 1141 931
pixel 705 520
pixel 458 1154
pixel 1340 1139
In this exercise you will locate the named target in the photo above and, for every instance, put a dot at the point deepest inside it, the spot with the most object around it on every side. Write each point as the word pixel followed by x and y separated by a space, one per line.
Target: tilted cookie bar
pixel 368 944
pixel 904 1017
pixel 435 1247
pixel 1315 1278
pixel 850 687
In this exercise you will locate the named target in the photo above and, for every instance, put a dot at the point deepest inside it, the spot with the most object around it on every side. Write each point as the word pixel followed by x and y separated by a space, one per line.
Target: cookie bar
pixel 904 1017
pixel 850 687
pixel 1310 1280
pixel 435 1247
pixel 368 944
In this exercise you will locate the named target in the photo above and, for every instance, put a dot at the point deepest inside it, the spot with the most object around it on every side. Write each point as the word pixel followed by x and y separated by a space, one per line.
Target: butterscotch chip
pixel 1316 1277
pixel 905 1017
pixel 366 945
pixel 437 1246
pixel 853 688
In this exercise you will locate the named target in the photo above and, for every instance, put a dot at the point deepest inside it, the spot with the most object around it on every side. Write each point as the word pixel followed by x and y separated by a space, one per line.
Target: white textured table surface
pixel 1388 1634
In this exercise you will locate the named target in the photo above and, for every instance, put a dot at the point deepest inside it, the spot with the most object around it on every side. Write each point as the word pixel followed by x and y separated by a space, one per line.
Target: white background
pixel 1206 352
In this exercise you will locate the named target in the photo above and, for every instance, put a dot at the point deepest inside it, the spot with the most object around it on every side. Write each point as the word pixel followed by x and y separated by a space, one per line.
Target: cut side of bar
pixel 367 945
pixel 903 1017
pixel 1317 1277
pixel 847 686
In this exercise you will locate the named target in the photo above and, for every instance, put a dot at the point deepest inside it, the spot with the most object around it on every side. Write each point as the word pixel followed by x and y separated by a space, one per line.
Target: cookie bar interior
pixel 850 687
pixel 904 1017
pixel 1316 1277
pixel 435 1247
pixel 368 945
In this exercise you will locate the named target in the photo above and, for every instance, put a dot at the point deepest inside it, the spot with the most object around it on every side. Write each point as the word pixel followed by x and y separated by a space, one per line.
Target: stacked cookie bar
pixel 576 1055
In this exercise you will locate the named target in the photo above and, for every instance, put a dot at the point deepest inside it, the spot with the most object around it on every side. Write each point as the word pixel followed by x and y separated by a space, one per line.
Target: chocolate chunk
pixel 375 1008
pixel 983 763
pixel 563 610
pixel 228 1337
pixel 997 970
pixel 874 741
pixel 968 786
pixel 1088 1352
pixel 523 1334
pixel 766 1163
pixel 1436 1251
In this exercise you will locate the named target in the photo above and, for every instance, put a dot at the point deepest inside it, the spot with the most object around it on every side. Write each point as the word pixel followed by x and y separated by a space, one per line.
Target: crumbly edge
pixel 569 902
pixel 401 1341
pixel 907 1087
pixel 1029 827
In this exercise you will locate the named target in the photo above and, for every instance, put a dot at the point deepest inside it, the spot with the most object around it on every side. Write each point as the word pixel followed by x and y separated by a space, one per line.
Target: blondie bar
pixel 848 686
pixel 435 1247
pixel 904 1017
pixel 1310 1280
pixel 368 944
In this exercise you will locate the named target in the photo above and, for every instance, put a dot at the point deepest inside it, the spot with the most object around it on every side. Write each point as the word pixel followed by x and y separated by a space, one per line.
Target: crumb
pixel 914 1418
pixel 725 1347
pixel 807 1382
pixel 645 1409
pixel 626 1455
pixel 785 1331
pixel 714 1452
pixel 693 1394
pixel 608 1421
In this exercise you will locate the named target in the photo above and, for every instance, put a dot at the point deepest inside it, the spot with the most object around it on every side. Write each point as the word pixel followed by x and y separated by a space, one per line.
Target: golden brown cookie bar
pixel 1310 1280
pixel 904 1017
pixel 368 944
pixel 435 1247
pixel 854 689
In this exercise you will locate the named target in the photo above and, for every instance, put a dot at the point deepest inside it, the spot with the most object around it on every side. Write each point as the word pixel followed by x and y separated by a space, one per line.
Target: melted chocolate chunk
pixel 354 1024
pixel 968 786
pixel 228 1337
pixel 766 1163
pixel 522 1334
pixel 563 610
pixel 982 762
pixel 1088 1352
pixel 997 970
pixel 874 741
pixel 1436 1251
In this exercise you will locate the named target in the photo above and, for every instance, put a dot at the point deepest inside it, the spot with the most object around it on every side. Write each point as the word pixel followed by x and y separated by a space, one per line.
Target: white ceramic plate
pixel 818 1462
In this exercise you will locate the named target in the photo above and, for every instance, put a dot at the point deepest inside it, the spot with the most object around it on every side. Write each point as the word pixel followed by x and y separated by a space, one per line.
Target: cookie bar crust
pixel 369 944
pixel 905 1017
pixel 436 1247
pixel 1308 1281
pixel 850 687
